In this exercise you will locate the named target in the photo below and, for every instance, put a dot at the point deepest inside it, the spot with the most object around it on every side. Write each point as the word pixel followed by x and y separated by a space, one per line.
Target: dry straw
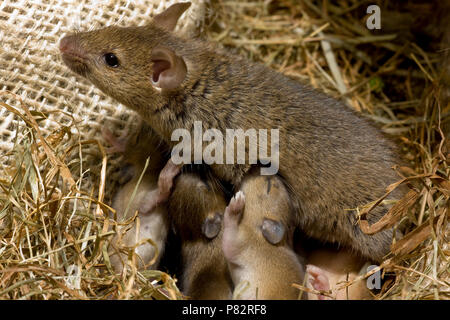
pixel 55 223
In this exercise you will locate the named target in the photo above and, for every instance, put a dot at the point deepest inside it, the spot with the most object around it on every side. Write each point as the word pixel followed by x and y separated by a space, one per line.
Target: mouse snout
pixel 69 45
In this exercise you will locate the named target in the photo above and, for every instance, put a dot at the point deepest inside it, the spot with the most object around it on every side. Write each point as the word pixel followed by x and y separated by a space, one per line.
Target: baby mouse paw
pixel 232 239
pixel 117 144
pixel 165 180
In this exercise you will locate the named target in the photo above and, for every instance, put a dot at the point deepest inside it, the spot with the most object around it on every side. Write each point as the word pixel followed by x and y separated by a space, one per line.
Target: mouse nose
pixel 67 44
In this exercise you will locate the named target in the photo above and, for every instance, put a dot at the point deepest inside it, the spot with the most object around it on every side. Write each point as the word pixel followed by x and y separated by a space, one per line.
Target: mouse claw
pixel 318 280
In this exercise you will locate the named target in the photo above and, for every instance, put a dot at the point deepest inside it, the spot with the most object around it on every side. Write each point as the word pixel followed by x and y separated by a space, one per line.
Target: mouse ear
pixel 169 70
pixel 273 231
pixel 168 18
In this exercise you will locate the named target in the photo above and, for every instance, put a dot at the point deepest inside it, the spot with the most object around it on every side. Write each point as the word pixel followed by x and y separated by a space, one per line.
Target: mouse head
pixel 130 63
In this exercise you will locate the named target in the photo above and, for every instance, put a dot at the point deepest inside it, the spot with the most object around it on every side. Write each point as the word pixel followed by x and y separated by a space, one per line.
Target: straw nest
pixel 55 228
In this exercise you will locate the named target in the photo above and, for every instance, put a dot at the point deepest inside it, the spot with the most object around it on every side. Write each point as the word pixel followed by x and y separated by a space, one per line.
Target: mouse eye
pixel 111 60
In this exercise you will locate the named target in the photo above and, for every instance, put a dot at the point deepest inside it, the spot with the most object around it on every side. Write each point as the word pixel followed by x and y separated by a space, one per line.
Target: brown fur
pixel 268 270
pixel 332 158
pixel 205 273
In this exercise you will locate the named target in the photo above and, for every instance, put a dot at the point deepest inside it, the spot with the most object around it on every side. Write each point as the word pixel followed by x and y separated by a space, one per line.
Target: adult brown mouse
pixel 196 208
pixel 332 158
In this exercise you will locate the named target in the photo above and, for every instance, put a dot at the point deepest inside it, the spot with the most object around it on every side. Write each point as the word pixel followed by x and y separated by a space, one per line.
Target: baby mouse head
pixel 138 60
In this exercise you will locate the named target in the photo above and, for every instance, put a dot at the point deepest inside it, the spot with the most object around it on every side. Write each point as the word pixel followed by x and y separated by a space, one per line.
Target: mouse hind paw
pixel 235 208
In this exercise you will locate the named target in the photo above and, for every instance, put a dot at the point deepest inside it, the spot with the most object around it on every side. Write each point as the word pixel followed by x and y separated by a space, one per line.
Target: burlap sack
pixel 31 67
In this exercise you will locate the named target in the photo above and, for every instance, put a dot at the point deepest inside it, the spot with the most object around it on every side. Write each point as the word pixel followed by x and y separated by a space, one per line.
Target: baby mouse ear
pixel 169 70
pixel 168 18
